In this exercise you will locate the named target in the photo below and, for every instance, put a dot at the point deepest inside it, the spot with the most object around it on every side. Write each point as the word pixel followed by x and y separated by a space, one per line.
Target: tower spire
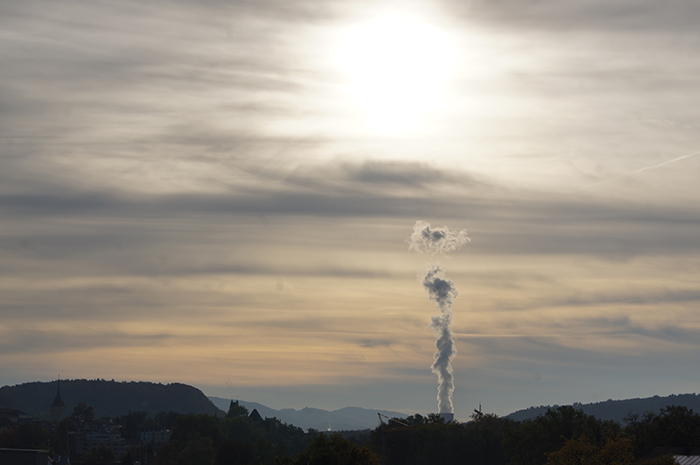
pixel 58 408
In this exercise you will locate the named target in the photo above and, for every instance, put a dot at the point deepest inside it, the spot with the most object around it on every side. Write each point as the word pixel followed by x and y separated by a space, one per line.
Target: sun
pixel 396 67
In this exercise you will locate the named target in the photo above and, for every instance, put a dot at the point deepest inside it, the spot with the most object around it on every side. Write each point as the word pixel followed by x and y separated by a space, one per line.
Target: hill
pixel 108 398
pixel 617 410
pixel 345 419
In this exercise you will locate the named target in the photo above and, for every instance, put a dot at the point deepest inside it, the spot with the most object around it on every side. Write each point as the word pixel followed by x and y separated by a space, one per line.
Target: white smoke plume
pixel 436 240
pixel 442 291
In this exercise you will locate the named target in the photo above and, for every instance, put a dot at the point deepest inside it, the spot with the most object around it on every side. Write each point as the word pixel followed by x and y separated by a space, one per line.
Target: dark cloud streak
pixel 563 225
pixel 617 16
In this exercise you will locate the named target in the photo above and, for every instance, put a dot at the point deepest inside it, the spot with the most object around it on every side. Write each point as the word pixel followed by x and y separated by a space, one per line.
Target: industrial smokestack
pixel 448 417
pixel 442 291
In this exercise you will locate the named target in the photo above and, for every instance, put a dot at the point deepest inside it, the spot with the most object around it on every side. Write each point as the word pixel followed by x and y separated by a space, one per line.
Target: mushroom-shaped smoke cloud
pixel 442 291
pixel 436 240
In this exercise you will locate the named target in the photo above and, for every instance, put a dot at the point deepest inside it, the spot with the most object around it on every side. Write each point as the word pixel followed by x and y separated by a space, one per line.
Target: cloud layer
pixel 189 184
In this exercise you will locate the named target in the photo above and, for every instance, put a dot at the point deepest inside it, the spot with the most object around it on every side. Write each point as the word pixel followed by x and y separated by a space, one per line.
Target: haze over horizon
pixel 220 193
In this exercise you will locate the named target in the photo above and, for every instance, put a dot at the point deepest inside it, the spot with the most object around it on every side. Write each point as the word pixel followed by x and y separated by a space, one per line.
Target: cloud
pixel 399 173
pixel 35 341
pixel 170 163
pixel 372 343
pixel 436 240
pixel 617 15
pixel 512 222
pixel 371 177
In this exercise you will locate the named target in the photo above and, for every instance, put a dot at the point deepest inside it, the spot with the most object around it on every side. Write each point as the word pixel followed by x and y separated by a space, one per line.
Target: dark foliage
pixel 617 410
pixel 332 450
pixel 108 398
pixel 103 455
pixel 27 436
pixel 560 436
pixel 529 441
pixel 232 441
pixel 674 426
pixel 430 440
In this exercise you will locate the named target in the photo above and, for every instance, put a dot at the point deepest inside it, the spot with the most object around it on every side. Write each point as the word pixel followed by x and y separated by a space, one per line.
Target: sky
pixel 220 193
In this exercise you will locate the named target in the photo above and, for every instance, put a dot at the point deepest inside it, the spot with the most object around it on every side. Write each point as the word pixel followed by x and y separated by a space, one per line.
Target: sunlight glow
pixel 397 67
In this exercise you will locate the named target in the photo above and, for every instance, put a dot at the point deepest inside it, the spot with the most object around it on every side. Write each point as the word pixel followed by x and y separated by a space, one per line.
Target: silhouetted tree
pixel 582 452
pixel 674 426
pixel 478 442
pixel 32 436
pixel 166 419
pixel 198 450
pixel 332 450
pixel 103 455
pixel 131 423
pixel 529 441
pixel 60 443
pixel 186 426
pixel 234 452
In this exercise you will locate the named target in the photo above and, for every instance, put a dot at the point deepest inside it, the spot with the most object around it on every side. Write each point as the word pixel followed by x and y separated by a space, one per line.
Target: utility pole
pixel 383 425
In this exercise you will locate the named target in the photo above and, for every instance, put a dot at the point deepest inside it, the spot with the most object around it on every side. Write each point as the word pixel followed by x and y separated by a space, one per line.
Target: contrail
pixel 442 291
pixel 665 163
pixel 646 168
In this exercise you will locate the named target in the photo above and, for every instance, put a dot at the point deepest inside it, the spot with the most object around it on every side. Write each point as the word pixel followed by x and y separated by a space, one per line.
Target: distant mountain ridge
pixel 344 419
pixel 108 398
pixel 617 410
pixel 113 398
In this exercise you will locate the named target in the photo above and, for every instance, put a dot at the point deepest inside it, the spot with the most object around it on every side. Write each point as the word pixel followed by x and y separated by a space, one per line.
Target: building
pixel 9 418
pixel 84 443
pixel 58 408
pixel 24 457
pixel 156 436
pixel 682 455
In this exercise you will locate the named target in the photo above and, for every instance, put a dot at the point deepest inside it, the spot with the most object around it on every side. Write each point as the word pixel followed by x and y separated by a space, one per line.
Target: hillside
pixel 348 418
pixel 617 410
pixel 108 398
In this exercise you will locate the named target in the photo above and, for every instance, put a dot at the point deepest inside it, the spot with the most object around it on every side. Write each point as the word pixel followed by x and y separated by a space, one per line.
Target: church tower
pixel 58 408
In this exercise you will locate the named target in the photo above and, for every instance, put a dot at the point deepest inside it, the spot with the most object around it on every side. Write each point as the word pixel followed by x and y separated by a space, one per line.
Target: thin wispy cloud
pixel 202 185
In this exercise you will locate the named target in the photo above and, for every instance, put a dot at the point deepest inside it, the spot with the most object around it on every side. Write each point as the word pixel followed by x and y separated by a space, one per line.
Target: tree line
pixel 561 436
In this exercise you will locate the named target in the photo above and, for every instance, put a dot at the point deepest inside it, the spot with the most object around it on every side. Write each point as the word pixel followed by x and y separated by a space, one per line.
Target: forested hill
pixel 617 410
pixel 108 398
